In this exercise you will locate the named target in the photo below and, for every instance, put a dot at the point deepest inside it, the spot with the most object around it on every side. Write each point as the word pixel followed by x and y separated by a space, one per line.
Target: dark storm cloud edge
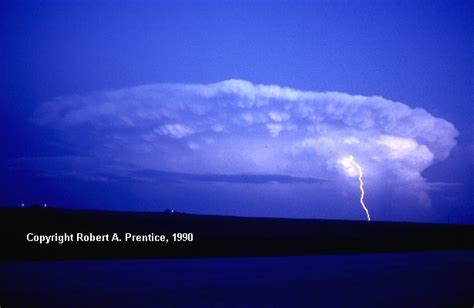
pixel 225 178
pixel 67 167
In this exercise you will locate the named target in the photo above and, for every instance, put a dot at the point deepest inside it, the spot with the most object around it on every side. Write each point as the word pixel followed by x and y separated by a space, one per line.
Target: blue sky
pixel 138 106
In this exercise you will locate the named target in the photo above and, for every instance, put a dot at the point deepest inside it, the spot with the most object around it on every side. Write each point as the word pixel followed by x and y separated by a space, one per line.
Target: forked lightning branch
pixel 353 168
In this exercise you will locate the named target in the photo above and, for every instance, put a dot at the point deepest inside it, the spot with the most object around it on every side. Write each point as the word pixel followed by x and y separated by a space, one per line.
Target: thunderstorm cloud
pixel 236 127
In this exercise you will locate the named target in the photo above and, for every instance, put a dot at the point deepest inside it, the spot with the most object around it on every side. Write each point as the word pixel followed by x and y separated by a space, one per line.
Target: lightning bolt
pixel 361 185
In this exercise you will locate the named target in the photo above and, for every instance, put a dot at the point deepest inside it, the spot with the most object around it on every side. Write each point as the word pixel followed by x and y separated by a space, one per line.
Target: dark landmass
pixel 214 235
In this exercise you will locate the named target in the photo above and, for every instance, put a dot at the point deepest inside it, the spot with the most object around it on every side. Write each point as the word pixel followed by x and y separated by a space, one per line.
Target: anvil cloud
pixel 236 127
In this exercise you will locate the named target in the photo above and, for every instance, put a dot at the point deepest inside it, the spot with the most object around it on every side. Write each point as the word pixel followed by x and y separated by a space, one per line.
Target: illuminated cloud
pixel 177 131
pixel 274 129
pixel 235 127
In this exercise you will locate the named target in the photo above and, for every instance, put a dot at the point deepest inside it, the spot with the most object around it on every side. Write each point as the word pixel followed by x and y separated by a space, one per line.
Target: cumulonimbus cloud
pixel 237 127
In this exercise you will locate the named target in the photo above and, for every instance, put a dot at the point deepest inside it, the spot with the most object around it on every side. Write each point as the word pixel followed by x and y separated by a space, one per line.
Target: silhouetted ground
pixel 214 236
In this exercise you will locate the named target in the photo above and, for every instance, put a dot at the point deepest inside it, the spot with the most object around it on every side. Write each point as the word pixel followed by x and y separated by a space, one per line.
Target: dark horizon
pixel 51 208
